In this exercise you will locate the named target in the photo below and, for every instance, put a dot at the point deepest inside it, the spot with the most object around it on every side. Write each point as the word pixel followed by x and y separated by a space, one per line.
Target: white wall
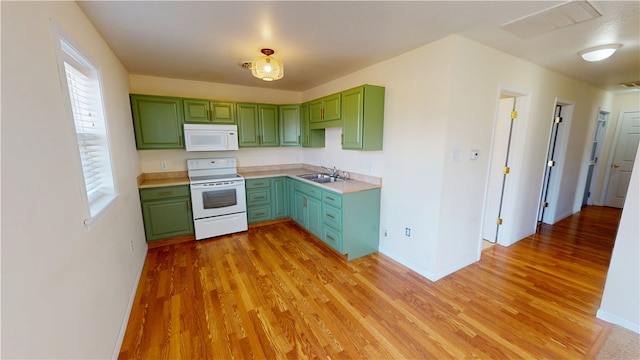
pixel 621 297
pixel 65 289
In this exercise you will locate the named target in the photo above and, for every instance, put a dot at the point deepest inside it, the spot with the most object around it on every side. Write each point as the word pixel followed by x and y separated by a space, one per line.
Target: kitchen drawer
pixel 258 196
pixel 333 238
pixel 259 213
pixel 257 183
pixel 332 217
pixel 164 192
pixel 332 199
pixel 307 189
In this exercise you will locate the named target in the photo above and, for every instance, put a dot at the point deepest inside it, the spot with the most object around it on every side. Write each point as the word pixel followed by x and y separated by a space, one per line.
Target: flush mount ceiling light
pixel 266 67
pixel 599 53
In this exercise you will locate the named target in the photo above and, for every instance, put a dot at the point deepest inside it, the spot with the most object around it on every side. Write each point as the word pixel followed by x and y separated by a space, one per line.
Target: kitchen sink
pixel 321 178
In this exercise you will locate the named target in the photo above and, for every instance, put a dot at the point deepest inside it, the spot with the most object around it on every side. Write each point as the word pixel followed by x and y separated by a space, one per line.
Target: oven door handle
pixel 204 187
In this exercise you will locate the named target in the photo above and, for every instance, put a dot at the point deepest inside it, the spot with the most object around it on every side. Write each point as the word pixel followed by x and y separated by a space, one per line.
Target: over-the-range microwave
pixel 210 137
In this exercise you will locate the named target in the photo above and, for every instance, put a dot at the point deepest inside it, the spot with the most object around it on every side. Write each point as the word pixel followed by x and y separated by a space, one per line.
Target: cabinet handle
pixel 330 198
pixel 306 139
pixel 298 139
pixel 330 216
pixel 257 184
pixel 304 200
pixel 259 139
pixel 322 113
pixel 180 140
pixel 341 139
pixel 165 193
pixel 259 197
pixel 330 238
pixel 259 214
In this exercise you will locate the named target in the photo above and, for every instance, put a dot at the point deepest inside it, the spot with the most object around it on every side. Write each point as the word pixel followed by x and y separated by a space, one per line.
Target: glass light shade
pixel 267 68
pixel 599 53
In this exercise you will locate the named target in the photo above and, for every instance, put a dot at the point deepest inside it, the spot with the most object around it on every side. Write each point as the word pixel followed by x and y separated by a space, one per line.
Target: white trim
pixel 125 320
pixel 426 273
pixel 614 319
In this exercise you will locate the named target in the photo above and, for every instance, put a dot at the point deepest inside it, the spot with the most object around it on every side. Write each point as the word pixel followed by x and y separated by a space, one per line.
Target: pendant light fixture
pixel 599 53
pixel 266 67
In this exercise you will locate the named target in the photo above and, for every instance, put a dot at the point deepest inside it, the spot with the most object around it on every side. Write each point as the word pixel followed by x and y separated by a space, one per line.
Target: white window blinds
pixel 87 109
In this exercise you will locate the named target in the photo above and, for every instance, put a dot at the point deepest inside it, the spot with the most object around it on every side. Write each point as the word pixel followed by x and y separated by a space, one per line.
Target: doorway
pixel 625 147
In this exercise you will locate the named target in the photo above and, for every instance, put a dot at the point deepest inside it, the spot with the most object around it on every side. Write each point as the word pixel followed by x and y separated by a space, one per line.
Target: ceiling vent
pixel 632 84
pixel 245 64
pixel 551 19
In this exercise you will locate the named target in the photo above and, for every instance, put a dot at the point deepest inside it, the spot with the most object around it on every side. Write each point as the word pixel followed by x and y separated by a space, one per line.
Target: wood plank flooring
pixel 276 292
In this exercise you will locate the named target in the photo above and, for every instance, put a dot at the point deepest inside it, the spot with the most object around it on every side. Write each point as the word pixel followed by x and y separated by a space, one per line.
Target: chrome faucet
pixel 334 171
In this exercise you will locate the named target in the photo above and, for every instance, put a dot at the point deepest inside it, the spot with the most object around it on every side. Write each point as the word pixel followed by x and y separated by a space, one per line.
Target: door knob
pixel 616 165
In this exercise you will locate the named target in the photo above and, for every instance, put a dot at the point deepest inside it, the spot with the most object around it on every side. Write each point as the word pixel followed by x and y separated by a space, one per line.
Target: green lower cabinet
pixel 266 199
pixel 308 207
pixel 166 212
pixel 351 222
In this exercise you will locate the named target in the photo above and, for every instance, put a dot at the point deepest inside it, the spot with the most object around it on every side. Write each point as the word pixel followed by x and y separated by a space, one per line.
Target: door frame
pixel 610 156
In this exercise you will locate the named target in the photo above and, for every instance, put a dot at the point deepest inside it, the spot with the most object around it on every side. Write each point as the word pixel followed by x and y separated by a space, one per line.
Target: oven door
pixel 215 199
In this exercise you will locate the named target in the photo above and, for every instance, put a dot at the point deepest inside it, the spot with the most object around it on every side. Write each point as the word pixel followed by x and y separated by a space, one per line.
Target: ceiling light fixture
pixel 266 67
pixel 599 53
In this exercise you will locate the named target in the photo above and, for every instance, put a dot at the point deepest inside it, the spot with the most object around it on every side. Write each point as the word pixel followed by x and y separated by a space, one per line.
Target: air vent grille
pixel 245 64
pixel 551 19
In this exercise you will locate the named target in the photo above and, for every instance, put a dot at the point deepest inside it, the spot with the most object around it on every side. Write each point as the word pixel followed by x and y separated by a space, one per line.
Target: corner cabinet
pixel 200 111
pixel 166 212
pixel 157 122
pixel 267 199
pixel 310 138
pixel 257 125
pixel 362 118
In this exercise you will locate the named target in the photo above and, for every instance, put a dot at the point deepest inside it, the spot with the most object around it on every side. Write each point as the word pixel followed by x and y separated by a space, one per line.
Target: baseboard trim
pixel 125 319
pixel 614 319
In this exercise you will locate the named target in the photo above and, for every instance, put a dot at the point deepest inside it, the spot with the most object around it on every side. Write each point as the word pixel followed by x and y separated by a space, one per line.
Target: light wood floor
pixel 274 293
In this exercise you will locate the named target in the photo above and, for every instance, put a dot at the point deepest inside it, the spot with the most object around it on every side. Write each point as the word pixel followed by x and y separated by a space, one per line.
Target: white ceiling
pixel 319 41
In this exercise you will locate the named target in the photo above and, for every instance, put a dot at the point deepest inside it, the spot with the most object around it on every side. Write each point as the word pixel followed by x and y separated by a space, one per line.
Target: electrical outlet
pixel 407 232
pixel 131 242
pixel 163 165
pixel 385 232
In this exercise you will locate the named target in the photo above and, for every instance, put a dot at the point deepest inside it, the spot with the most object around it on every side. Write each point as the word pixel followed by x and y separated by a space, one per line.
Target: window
pixel 81 87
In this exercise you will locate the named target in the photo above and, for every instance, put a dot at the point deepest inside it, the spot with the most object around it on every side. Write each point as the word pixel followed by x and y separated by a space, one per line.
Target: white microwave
pixel 210 137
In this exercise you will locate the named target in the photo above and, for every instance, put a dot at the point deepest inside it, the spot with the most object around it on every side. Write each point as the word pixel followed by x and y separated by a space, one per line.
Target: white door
pixel 497 179
pixel 626 147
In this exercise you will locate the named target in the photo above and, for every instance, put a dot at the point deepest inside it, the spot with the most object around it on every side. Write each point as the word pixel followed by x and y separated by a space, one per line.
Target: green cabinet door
pixel 200 111
pixel 314 216
pixel 196 111
pixel 315 110
pixel 248 125
pixel 301 216
pixel 157 122
pixel 279 198
pixel 290 125
pixel 362 118
pixel 268 118
pixel 166 212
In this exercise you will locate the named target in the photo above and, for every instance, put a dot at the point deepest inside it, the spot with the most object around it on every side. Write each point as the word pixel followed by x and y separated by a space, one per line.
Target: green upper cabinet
pixel 362 118
pixel 200 111
pixel 310 138
pixel 157 121
pixel 290 125
pixel 325 112
pixel 257 125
